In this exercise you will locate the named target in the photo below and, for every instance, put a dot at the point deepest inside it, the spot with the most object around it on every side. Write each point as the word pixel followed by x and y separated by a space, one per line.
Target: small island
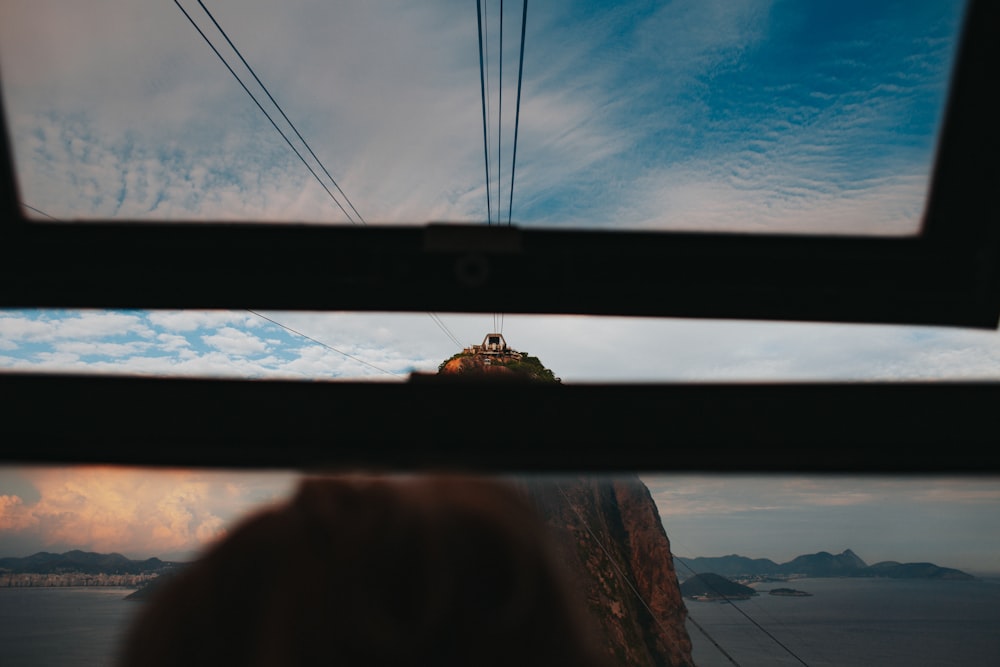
pixel 789 592
pixel 709 586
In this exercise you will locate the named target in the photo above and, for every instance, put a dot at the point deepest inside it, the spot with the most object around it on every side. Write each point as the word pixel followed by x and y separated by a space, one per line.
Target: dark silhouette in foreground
pixel 367 570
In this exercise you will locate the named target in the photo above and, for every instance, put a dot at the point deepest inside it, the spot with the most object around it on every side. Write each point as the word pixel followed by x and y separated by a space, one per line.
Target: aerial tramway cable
pixel 517 113
pixel 437 320
pixel 745 615
pixel 614 564
pixel 628 581
pixel 264 111
pixel 499 112
pixel 482 86
pixel 484 57
pixel 282 112
pixel 299 333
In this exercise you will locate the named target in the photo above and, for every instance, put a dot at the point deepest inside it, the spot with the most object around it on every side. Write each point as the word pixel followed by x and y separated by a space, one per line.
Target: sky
pixel 741 115
pixel 175 514
pixel 949 521
pixel 723 115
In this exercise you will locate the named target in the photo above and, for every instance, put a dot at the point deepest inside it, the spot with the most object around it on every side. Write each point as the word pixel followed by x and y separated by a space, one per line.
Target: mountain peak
pixel 495 360
pixel 849 557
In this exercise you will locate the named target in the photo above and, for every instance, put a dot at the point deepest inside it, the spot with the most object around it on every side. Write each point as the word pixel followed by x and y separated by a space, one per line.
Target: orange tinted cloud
pixel 13 517
pixel 138 512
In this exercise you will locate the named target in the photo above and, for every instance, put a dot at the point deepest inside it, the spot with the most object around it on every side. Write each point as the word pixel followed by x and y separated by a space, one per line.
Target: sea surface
pixel 845 623
pixel 849 622
pixel 60 626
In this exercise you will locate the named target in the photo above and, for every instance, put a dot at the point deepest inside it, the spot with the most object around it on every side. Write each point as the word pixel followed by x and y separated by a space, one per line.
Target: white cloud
pixel 190 320
pixel 21 328
pixel 235 342
pixel 173 342
pixel 138 512
pixel 617 118
pixel 97 349
pixel 62 325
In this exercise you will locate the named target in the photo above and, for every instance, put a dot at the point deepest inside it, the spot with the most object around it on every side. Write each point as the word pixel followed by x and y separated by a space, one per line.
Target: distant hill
pixel 715 586
pixel 822 564
pixel 496 362
pixel 86 562
pixel 896 570
pixel 731 566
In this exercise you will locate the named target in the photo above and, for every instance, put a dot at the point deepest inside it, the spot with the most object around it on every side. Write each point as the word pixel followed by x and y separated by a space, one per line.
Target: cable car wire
pixel 631 585
pixel 711 639
pixel 500 113
pixel 40 212
pixel 745 615
pixel 253 73
pixel 517 113
pixel 264 111
pixel 612 560
pixel 482 87
pixel 287 328
pixel 281 111
pixel 320 343
pixel 437 320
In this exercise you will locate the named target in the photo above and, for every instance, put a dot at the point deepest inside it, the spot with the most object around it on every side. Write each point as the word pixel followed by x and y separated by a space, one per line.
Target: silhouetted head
pixel 366 570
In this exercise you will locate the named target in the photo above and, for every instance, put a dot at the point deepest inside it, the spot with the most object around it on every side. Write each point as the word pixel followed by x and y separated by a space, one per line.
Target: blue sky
pixel 736 115
pixel 389 346
pixel 749 115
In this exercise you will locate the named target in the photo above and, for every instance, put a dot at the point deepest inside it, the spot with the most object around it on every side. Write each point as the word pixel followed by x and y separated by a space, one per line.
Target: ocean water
pixel 50 627
pixel 851 623
pixel 845 623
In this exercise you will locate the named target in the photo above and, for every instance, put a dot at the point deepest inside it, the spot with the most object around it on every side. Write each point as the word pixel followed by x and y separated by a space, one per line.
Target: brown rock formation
pixel 611 538
pixel 475 364
pixel 506 365
pixel 615 546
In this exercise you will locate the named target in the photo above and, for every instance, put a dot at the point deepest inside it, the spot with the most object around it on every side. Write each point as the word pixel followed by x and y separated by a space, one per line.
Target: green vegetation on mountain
pixel 516 365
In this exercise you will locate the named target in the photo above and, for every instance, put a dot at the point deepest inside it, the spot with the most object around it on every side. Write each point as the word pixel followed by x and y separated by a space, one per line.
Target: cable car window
pixel 754 569
pixel 390 347
pixel 762 117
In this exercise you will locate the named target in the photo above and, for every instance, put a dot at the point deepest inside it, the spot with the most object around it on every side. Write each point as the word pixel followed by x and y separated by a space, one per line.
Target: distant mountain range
pixel 86 562
pixel 822 564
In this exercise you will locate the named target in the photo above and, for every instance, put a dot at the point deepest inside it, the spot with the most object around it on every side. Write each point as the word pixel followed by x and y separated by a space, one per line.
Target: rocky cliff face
pixel 612 541
pixel 476 365
pixel 616 549
pixel 514 366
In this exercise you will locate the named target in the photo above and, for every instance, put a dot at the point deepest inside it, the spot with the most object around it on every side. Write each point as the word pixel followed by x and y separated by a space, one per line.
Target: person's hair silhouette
pixel 431 570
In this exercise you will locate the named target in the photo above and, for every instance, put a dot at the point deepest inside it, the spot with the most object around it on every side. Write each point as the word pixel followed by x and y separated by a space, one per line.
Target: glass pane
pixel 60 526
pixel 391 346
pixel 755 116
